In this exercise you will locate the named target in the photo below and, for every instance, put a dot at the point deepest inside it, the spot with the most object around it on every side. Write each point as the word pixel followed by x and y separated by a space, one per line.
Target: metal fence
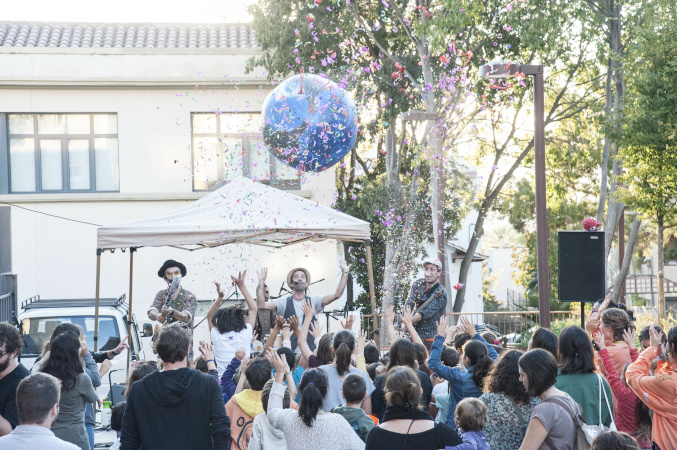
pixel 7 297
pixel 507 322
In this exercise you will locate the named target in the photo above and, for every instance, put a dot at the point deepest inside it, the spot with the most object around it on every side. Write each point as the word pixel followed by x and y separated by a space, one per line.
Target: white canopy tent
pixel 242 211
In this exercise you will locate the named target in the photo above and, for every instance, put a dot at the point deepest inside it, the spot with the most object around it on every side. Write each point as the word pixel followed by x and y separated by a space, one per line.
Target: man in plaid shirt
pixel 428 299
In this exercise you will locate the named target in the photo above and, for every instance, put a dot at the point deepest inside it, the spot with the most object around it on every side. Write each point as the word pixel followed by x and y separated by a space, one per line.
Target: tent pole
pixel 129 319
pixel 96 303
pixel 372 293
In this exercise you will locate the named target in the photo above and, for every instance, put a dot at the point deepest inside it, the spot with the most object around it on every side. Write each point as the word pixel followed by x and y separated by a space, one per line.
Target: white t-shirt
pixel 282 306
pixel 225 345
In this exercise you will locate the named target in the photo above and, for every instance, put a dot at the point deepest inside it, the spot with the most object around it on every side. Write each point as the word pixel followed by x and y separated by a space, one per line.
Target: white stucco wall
pixel 500 263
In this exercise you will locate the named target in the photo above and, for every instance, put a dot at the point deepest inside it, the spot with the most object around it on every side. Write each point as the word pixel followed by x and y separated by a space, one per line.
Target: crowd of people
pixel 438 385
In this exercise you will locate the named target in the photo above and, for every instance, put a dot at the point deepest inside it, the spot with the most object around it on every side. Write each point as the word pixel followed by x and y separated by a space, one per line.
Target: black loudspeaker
pixel 581 266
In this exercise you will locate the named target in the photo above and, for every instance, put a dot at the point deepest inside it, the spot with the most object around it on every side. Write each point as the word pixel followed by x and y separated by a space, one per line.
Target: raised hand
pixel 121 346
pixel 206 350
pixel 243 365
pixel 407 316
pixel 293 322
pixel 344 266
pixel 240 353
pixel 316 330
pixel 348 324
pixel 262 274
pixel 279 322
pixel 307 308
pixel 239 281
pixel 390 314
pixel 360 343
pixel 592 323
pixel 287 333
pixel 218 289
pixel 442 326
pixel 629 338
pixel 467 326
pixel 605 303
pixel 656 338
pixel 599 339
pixel 255 336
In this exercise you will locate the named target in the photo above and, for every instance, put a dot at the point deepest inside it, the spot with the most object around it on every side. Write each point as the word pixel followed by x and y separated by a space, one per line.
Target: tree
pixel 650 125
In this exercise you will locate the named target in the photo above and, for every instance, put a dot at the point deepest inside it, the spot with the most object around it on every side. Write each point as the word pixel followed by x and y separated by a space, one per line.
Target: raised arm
pixel 435 360
pixel 302 337
pixel 327 299
pixel 215 305
pixel 390 319
pixel 468 328
pixel 227 385
pixel 407 320
pixel 279 323
pixel 239 282
pixel 261 302
pixel 360 361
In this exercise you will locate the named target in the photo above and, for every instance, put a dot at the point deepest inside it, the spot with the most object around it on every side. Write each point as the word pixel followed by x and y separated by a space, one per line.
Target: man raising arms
pixel 298 279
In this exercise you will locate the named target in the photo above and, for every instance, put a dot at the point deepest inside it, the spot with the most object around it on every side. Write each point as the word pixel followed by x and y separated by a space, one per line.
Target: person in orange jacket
pixel 659 391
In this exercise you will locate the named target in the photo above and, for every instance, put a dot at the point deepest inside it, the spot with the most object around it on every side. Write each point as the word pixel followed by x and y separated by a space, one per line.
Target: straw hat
pixel 291 272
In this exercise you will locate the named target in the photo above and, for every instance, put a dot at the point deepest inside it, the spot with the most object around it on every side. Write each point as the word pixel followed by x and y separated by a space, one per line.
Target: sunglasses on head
pixel 170 274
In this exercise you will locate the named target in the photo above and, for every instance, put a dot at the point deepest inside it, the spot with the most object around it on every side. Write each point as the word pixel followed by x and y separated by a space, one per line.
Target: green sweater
pixel 584 389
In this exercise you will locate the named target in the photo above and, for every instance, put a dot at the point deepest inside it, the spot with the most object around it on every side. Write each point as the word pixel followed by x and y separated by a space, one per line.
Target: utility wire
pixel 50 215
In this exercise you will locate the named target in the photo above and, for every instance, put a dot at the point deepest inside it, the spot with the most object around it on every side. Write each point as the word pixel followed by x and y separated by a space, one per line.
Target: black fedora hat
pixel 171 263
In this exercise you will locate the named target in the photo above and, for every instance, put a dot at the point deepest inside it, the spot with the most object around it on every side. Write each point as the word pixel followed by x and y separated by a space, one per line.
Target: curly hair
pixel 504 377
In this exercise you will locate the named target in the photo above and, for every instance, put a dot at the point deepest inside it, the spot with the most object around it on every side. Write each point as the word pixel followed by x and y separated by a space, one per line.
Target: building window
pixel 226 146
pixel 63 153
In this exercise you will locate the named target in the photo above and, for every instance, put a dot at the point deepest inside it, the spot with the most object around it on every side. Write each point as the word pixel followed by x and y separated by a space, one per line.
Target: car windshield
pixel 38 330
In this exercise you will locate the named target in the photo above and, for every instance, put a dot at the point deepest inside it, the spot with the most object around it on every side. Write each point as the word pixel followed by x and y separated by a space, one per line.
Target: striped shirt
pixel 431 314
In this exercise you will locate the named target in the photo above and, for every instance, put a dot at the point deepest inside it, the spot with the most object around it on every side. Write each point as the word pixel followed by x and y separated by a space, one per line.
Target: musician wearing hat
pixel 299 279
pixel 173 304
pixel 428 300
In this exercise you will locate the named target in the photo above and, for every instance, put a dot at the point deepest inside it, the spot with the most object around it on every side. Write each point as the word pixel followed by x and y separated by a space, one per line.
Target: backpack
pixel 584 435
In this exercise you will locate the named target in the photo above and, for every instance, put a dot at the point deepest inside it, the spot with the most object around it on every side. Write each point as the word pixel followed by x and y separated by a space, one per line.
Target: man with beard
pixel 298 279
pixel 428 301
pixel 11 374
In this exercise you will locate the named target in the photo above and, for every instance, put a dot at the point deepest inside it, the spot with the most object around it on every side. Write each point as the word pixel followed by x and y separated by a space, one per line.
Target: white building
pixel 105 124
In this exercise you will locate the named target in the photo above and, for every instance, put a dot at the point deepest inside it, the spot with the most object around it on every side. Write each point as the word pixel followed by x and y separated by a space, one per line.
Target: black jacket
pixel 180 408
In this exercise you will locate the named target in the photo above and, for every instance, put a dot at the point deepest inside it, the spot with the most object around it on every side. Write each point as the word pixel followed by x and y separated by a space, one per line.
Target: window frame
pixel 247 139
pixel 5 162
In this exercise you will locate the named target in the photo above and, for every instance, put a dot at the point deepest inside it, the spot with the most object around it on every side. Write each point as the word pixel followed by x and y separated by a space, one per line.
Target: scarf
pixel 400 412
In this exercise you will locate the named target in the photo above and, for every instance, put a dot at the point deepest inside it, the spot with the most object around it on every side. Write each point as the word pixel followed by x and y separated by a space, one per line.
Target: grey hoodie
pixel 265 436
pixel 357 418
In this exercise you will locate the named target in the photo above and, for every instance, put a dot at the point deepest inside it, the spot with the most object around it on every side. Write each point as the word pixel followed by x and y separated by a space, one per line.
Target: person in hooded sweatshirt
pixel 177 407
pixel 264 435
pixel 354 391
pixel 243 408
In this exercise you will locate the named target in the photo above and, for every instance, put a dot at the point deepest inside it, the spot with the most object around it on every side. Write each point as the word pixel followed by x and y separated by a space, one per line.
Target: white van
pixel 39 317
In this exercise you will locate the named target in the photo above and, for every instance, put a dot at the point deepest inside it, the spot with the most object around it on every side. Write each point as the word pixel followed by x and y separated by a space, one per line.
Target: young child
pixel 354 391
pixel 117 414
pixel 264 435
pixel 471 417
pixel 243 408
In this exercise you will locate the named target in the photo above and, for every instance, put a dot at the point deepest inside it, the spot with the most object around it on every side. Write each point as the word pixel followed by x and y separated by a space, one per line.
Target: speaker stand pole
pixel 582 315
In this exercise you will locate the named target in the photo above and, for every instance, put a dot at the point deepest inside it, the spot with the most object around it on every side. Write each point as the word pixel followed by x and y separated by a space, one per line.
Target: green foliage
pixel 650 126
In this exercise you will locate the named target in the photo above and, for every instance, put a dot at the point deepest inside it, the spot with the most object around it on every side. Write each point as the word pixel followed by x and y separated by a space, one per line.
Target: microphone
pixel 176 281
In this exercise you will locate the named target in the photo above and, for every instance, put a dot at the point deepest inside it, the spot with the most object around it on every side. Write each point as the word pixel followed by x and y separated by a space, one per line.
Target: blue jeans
pixel 90 433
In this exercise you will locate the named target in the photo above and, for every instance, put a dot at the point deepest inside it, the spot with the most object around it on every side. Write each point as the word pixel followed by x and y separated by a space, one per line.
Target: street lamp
pixel 505 69
pixel 436 185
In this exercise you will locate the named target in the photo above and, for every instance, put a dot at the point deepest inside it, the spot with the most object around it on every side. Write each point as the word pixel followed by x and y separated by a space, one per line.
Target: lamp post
pixel 436 186
pixel 505 69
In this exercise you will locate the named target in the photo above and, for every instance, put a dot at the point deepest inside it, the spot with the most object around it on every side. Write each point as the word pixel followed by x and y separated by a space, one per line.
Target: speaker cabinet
pixel 581 266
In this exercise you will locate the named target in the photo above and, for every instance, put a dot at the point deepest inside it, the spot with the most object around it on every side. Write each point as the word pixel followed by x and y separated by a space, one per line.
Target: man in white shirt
pixel 37 400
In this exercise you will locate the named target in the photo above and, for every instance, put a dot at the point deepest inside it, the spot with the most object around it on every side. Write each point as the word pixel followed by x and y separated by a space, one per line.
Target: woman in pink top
pixel 632 416
pixel 611 323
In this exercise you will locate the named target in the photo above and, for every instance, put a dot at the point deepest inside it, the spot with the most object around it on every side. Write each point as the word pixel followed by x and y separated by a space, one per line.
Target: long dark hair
pixel 575 351
pixel 476 351
pixel 313 388
pixel 344 344
pixel 402 353
pixel 229 319
pixel 504 377
pixel 64 360
pixel 65 327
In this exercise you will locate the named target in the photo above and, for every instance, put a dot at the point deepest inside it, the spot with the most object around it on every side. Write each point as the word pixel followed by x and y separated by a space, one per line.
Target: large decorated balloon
pixel 309 123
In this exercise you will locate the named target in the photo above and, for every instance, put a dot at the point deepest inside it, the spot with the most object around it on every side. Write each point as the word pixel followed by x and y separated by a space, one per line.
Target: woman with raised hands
pixel 658 391
pixel 309 425
pixel 477 359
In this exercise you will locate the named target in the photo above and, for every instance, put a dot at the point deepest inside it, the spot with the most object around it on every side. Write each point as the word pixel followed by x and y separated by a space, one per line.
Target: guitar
pixel 173 287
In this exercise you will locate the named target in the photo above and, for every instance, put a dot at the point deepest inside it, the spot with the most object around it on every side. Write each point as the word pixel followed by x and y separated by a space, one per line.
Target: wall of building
pixel 500 263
